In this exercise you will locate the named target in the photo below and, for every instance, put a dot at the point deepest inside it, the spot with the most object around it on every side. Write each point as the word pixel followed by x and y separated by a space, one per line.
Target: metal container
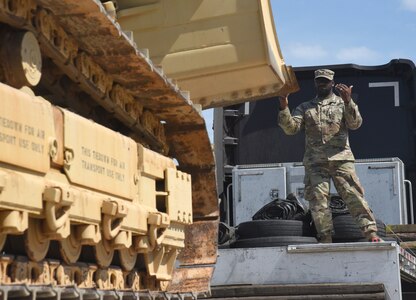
pixel 384 186
pixel 255 186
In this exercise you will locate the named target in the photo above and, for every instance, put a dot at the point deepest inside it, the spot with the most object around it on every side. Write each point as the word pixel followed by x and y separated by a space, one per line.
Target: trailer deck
pixel 318 267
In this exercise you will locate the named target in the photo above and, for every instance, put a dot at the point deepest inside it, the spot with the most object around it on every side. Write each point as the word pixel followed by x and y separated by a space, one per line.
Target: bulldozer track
pixel 54 280
pixel 92 67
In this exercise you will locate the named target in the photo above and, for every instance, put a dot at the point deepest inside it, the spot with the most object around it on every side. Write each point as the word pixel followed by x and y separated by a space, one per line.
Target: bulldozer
pixel 107 173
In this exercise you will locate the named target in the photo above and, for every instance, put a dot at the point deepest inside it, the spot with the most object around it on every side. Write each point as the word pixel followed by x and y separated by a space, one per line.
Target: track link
pixel 55 280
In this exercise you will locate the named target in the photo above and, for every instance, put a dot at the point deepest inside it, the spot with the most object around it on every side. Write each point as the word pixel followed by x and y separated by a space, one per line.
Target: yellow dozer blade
pixel 223 52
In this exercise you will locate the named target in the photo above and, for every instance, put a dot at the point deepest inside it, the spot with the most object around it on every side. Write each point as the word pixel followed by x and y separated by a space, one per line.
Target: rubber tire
pixel 267 228
pixel 346 229
pixel 273 241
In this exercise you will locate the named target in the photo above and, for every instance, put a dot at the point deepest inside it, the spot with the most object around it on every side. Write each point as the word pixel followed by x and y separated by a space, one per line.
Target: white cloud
pixel 409 4
pixel 307 52
pixel 357 55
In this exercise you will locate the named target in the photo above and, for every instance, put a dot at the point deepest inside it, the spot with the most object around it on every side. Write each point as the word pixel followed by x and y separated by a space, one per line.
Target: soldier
pixel 326 120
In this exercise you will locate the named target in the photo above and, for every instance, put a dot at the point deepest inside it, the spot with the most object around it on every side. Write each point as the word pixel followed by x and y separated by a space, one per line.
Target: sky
pixel 328 32
pixel 366 32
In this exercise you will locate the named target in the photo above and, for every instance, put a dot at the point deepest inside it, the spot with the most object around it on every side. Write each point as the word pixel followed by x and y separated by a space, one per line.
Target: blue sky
pixel 327 32
pixel 366 32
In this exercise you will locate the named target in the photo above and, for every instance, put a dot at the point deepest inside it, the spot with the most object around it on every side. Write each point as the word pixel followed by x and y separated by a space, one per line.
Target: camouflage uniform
pixel 328 155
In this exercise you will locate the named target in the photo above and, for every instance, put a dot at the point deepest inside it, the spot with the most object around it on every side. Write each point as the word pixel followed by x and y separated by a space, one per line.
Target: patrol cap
pixel 325 73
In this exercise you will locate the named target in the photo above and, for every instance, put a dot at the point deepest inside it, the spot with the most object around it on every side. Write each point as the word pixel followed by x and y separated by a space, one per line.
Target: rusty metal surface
pixel 186 146
pixel 204 193
pixel 200 247
pixel 193 279
pixel 197 159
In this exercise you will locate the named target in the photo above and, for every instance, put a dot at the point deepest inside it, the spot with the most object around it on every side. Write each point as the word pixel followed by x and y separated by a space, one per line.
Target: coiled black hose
pixel 337 205
pixel 282 209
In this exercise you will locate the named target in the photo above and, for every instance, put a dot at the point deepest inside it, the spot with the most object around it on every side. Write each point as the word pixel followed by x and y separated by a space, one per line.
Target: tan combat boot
pixel 374 238
pixel 325 239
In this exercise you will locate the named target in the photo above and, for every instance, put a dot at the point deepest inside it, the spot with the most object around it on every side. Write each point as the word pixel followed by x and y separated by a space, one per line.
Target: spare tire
pixel 273 241
pixel 347 229
pixel 266 228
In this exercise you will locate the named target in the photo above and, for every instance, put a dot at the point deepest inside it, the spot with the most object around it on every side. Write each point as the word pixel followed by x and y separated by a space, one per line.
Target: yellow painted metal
pixel 151 167
pixel 128 258
pixel 2 241
pixel 136 219
pixel 167 193
pixel 153 164
pixel 104 253
pixel 21 58
pixel 98 157
pixel 86 208
pixel 70 248
pixel 114 194
pixel 221 51
pixel 26 130
pixel 175 235
pixel 23 190
pixel 160 262
pixel 36 242
pixel 179 198
pixel 14 222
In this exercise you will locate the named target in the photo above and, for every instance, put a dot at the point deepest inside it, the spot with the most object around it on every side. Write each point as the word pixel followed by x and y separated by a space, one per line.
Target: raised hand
pixel 284 102
pixel 344 91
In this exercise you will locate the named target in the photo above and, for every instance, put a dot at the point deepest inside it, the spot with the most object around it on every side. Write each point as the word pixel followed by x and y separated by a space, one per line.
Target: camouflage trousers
pixel 317 180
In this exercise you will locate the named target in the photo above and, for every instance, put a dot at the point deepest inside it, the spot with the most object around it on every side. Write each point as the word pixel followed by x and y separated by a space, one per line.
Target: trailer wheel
pixel 266 228
pixel 273 241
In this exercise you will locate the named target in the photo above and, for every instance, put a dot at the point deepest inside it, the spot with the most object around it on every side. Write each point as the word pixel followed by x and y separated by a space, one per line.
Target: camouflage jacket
pixel 326 123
